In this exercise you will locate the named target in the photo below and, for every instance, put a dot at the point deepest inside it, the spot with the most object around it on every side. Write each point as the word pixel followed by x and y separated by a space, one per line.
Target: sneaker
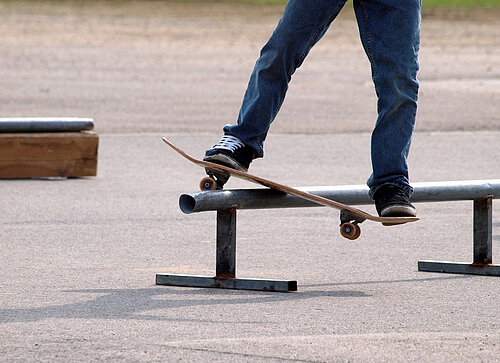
pixel 392 201
pixel 232 152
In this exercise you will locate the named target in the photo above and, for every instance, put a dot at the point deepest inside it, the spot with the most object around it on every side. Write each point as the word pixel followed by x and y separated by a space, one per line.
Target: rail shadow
pixel 139 304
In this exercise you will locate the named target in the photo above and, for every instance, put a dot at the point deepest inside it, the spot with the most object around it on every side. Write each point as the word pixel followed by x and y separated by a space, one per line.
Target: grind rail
pixel 226 202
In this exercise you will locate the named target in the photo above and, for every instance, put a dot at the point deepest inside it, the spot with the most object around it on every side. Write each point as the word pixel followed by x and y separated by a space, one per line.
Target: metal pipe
pixel 347 194
pixel 45 124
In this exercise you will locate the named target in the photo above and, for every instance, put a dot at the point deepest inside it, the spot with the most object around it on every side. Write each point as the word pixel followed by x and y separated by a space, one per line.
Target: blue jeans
pixel 390 34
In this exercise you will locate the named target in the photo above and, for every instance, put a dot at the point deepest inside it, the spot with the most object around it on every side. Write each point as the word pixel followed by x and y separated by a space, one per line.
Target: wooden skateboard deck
pixel 350 216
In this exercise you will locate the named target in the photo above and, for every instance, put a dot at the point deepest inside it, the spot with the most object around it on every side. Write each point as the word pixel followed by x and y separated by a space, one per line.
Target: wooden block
pixel 34 155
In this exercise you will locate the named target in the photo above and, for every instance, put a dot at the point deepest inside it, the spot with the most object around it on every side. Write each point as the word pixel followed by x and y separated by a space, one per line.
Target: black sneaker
pixel 392 201
pixel 232 152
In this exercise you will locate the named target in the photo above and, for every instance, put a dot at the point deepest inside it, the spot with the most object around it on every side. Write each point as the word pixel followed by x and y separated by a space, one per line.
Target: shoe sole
pixel 399 211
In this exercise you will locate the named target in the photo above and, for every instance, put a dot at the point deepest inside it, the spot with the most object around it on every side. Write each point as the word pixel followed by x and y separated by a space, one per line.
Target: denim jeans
pixel 390 34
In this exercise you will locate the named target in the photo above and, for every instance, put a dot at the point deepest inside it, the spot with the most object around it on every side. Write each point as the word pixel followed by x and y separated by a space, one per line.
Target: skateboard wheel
pixel 358 232
pixel 208 183
pixel 350 230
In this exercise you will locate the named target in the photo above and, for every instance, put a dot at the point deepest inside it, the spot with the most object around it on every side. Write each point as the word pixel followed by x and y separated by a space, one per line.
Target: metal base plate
pixel 459 268
pixel 230 283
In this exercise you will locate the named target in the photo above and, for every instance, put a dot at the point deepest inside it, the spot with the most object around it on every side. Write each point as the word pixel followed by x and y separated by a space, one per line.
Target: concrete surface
pixel 79 256
pixel 140 66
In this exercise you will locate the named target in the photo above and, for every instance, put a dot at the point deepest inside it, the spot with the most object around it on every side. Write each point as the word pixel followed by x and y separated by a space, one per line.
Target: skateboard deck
pixel 350 216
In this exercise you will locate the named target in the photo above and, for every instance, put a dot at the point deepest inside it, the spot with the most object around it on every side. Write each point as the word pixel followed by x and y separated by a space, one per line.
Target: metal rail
pixel 227 202
pixel 348 194
pixel 45 124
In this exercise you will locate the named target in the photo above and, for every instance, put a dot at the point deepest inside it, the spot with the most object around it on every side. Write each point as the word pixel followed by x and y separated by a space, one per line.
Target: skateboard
pixel 350 217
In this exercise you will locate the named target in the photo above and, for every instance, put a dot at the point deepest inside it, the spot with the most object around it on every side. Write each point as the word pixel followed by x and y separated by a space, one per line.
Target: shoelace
pixel 400 193
pixel 393 193
pixel 230 143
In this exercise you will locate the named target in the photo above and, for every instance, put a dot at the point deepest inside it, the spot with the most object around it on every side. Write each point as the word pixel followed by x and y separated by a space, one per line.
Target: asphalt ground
pixel 79 256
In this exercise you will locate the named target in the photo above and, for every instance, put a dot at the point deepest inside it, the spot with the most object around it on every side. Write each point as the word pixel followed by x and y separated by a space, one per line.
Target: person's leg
pixel 390 33
pixel 303 24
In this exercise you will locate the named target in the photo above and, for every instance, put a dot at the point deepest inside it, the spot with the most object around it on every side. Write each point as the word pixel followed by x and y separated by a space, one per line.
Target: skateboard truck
pixel 349 227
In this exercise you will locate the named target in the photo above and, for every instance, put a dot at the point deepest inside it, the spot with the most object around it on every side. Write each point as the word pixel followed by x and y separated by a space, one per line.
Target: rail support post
pixel 482 261
pixel 225 265
pixel 483 220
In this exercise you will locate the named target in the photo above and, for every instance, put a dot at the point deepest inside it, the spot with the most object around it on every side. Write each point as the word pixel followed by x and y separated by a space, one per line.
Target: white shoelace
pixel 230 143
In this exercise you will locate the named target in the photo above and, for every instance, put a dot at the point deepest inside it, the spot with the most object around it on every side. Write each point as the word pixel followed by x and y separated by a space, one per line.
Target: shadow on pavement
pixel 392 281
pixel 134 304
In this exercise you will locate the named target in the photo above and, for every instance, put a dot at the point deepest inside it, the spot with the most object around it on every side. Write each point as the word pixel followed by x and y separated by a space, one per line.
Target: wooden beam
pixel 32 155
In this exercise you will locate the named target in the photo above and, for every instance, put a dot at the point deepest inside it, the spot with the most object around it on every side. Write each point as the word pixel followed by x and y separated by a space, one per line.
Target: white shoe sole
pixel 399 211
